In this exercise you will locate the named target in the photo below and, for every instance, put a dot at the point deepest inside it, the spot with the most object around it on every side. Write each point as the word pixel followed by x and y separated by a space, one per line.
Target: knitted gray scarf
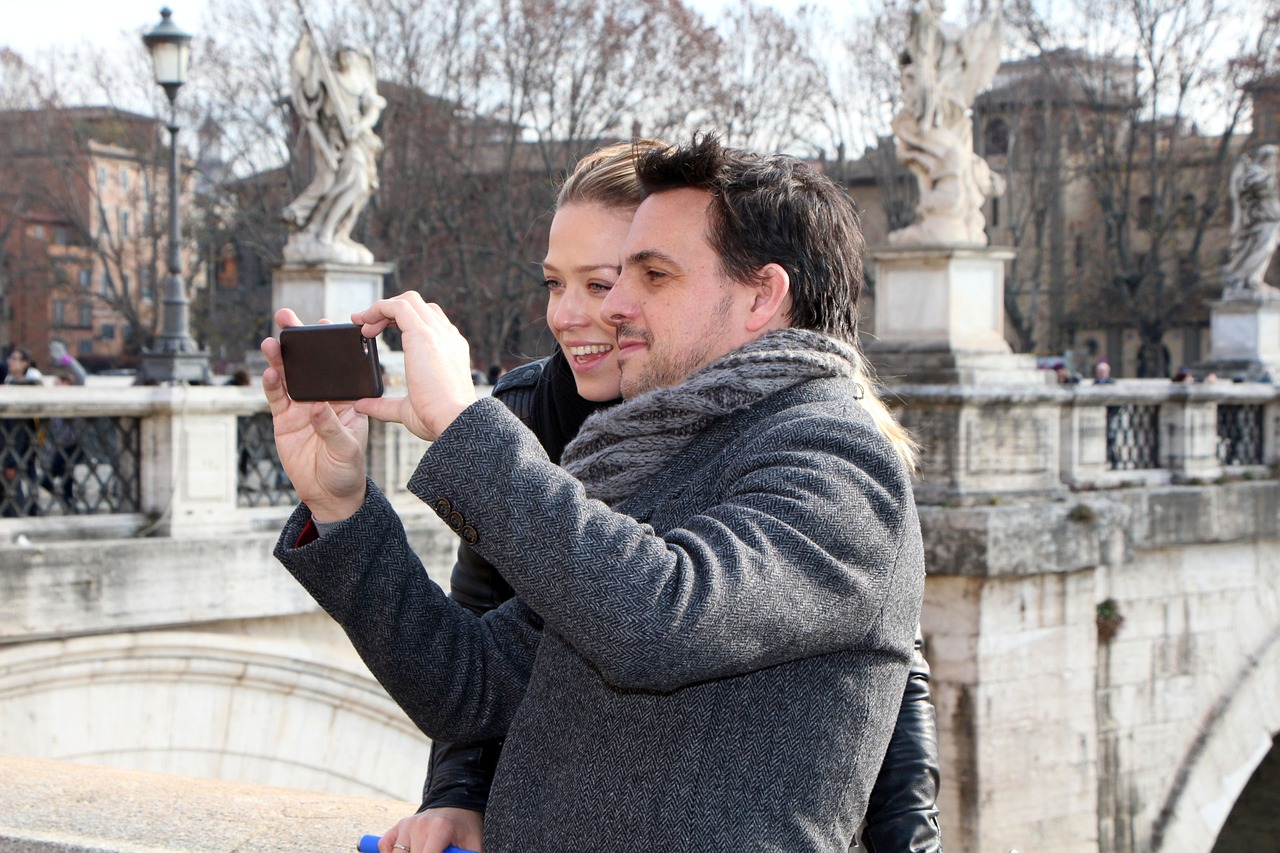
pixel 618 449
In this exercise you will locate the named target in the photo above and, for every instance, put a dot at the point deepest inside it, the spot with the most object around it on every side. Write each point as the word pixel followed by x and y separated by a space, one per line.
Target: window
pixel 59 313
pixel 85 277
pixel 102 177
pixel 124 284
pixel 124 178
pixel 997 137
pixel 107 332
pixel 146 287
pixel 995 212
pixel 86 315
pixel 86 347
pixel 106 283
pixel 124 223
pixel 37 232
pixel 61 237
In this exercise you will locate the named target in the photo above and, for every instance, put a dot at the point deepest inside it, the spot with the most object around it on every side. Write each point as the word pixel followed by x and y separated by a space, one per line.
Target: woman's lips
pixel 585 355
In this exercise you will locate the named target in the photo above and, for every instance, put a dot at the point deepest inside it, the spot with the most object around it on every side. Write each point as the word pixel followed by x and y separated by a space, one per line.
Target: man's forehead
pixel 668 218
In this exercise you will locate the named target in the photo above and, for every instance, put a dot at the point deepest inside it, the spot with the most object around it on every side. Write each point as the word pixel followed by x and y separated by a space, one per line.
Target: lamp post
pixel 175 356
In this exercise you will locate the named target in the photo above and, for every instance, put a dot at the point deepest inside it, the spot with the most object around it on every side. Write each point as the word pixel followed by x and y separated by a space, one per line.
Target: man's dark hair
pixel 773 209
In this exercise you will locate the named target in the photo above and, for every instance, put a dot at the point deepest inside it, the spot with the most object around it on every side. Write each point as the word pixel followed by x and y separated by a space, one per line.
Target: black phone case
pixel 331 362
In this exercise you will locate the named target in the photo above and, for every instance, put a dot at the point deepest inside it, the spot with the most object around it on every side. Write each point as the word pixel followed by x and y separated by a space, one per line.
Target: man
pixel 717 597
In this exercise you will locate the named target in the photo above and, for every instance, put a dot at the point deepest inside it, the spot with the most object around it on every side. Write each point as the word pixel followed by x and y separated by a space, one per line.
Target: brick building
pixel 83 217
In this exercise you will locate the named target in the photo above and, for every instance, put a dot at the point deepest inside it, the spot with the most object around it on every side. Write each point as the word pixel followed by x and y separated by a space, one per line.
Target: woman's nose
pixel 569 312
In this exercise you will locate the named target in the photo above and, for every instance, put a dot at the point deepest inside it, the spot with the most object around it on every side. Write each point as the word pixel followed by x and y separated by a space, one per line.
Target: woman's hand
pixel 433 830
pixel 321 445
pixel 437 365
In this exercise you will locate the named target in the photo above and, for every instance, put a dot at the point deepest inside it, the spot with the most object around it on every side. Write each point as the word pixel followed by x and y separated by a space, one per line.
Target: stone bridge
pixel 1101 616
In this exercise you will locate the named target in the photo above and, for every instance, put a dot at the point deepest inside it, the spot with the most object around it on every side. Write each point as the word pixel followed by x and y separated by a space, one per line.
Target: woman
pixel 553 397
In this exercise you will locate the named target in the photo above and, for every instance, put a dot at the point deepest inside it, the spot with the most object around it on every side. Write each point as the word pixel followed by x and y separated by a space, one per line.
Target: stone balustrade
pixel 981 442
pixel 186 461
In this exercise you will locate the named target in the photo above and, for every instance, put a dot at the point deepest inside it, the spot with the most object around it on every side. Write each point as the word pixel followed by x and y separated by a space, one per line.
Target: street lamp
pixel 175 357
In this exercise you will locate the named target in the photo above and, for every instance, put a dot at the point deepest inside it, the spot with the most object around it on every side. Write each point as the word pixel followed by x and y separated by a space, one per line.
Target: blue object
pixel 369 844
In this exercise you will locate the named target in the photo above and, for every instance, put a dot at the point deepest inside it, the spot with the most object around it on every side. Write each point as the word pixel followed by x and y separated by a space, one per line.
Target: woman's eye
pixel 600 288
pixel 552 284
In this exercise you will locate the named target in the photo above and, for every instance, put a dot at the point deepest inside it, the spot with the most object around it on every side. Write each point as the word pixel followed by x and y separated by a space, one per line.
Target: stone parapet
pixel 1094 528
pixel 70 588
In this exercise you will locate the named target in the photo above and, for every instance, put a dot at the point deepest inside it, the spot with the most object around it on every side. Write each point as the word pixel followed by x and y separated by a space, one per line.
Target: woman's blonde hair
pixel 607 176
pixel 907 448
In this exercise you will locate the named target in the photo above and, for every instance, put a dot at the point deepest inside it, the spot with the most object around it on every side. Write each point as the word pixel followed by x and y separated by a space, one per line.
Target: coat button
pixel 469 535
pixel 442 507
pixel 455 521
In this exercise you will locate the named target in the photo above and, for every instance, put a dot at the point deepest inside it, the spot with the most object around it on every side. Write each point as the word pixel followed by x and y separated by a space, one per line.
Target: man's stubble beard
pixel 664 369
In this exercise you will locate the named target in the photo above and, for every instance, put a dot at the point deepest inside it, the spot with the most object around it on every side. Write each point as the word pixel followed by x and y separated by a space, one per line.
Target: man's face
pixel 673 309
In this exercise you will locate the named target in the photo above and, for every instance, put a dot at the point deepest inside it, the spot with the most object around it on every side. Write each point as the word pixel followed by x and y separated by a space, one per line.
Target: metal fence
pixel 261 480
pixel 69 466
pixel 1240 434
pixel 1133 437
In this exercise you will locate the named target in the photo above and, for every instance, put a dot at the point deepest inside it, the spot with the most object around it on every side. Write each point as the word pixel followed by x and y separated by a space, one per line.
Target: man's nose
pixel 618 303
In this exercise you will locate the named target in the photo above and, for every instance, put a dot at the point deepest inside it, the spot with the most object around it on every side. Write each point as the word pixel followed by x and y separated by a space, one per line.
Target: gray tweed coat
pixel 717 669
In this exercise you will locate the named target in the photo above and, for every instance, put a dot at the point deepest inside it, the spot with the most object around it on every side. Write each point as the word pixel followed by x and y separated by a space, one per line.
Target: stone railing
pixel 981 441
pixel 178 462
pixel 167 461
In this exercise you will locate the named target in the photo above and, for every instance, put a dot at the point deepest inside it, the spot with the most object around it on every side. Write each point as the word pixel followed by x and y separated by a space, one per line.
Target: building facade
pixel 83 229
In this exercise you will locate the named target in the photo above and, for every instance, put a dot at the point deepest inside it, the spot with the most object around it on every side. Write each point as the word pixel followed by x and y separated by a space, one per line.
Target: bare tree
pixel 1152 102
pixel 768 86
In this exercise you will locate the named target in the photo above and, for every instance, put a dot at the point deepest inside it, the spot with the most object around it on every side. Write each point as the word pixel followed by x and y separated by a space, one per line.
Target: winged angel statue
pixel 943 69
pixel 339 104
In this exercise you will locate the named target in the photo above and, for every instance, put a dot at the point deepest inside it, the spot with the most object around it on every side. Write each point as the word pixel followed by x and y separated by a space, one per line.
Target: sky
pixel 29 26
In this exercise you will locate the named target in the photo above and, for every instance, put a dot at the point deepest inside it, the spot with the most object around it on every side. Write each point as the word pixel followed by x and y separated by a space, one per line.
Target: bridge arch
pixel 274 712
pixel 1239 733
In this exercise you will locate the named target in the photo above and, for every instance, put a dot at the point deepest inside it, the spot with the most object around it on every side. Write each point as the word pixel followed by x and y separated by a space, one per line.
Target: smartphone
pixel 331 362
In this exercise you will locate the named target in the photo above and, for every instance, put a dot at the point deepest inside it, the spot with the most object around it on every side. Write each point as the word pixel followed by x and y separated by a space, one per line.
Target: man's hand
pixel 321 445
pixel 433 830
pixel 437 365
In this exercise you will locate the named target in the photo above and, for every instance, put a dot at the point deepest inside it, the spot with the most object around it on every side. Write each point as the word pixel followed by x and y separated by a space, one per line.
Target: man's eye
pixel 654 275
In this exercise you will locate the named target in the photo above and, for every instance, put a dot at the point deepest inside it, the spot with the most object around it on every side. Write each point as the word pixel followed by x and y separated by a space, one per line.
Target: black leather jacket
pixel 902 815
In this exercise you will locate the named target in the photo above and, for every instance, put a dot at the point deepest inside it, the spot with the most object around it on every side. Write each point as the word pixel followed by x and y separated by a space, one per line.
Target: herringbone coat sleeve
pixel 421 646
pixel 797 544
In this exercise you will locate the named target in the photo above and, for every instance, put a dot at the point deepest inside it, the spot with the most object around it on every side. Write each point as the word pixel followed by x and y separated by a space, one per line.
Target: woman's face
pixel 583 262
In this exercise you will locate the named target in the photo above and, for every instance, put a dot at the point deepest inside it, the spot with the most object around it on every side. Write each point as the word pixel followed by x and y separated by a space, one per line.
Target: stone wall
pixel 1055 737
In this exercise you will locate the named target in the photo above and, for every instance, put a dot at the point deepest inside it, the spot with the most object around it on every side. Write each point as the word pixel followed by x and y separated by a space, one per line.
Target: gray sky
pixel 30 25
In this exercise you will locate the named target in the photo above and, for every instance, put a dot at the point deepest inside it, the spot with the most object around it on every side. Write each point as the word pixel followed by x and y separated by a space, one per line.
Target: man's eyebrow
pixel 585 268
pixel 646 255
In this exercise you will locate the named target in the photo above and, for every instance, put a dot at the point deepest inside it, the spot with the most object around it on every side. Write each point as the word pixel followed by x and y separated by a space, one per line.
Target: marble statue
pixel 339 104
pixel 943 68
pixel 1255 224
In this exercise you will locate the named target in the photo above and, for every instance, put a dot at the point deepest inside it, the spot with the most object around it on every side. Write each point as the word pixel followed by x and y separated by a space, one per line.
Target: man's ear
pixel 771 299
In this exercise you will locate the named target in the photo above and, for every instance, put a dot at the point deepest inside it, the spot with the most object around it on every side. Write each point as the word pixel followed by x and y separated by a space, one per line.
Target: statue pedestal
pixel 327 290
pixel 1244 336
pixel 988 421
pixel 939 318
